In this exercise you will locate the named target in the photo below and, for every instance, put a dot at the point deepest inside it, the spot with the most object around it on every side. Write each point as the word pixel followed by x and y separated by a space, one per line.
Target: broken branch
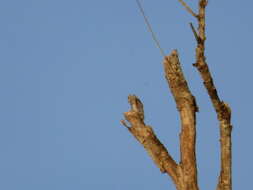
pixel 146 136
pixel 187 108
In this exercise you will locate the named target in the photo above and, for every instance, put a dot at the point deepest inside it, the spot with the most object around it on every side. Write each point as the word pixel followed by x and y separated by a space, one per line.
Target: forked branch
pixel 184 174
pixel 188 8
pixel 195 33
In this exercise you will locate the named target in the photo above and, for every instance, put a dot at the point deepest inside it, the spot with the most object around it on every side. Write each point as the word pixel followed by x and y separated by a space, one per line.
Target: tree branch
pixel 146 136
pixel 187 108
pixel 188 8
pixel 222 109
pixel 184 174
pixel 194 32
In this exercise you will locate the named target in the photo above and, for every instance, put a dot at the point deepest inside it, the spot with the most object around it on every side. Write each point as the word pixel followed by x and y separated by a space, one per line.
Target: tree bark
pixel 184 173
pixel 187 107
pixel 222 109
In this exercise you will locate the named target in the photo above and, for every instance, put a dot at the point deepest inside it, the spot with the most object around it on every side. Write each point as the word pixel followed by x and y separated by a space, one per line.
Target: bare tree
pixel 184 173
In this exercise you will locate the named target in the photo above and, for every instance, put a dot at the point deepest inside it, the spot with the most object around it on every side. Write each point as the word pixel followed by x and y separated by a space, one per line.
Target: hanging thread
pixel 150 28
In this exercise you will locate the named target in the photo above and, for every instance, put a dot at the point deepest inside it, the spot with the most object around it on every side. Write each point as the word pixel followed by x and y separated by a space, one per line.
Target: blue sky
pixel 66 68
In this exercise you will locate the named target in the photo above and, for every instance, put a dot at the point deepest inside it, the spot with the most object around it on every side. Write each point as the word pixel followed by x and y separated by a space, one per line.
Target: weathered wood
pixel 222 109
pixel 184 174
pixel 187 107
pixel 146 136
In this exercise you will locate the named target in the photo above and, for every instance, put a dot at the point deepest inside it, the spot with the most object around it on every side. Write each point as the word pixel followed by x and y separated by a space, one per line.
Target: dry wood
pixel 222 109
pixel 146 136
pixel 184 174
pixel 187 108
pixel 188 8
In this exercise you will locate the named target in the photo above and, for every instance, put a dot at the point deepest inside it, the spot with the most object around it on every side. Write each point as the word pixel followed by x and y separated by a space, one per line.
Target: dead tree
pixel 184 173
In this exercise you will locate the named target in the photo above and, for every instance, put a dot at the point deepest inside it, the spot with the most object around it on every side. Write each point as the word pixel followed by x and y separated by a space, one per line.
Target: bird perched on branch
pixel 136 105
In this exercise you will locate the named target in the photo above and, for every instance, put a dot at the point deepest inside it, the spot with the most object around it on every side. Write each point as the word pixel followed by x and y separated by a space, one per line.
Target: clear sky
pixel 66 68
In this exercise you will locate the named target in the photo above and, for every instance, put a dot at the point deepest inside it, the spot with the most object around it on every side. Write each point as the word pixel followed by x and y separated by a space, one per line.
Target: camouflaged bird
pixel 136 105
